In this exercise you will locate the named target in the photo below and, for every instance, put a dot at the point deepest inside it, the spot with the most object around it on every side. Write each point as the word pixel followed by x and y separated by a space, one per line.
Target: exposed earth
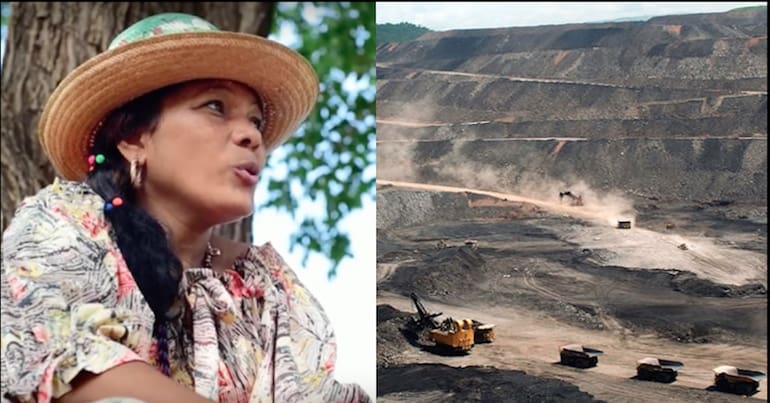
pixel 660 123
pixel 547 275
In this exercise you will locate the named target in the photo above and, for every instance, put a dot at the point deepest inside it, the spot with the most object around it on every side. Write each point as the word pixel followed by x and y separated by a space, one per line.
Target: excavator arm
pixel 426 318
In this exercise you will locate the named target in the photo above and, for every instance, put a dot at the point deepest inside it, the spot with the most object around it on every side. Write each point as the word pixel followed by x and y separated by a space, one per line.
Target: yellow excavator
pixel 455 335
pixel 450 334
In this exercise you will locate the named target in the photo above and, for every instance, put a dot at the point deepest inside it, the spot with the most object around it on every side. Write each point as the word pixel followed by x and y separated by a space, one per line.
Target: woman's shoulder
pixel 56 231
pixel 57 210
pixel 62 196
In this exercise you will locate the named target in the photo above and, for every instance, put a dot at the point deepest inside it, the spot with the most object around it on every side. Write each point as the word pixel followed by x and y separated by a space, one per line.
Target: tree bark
pixel 48 40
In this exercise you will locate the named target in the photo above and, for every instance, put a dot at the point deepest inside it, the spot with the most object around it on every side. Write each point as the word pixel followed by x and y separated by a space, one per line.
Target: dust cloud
pixel 602 206
pixel 397 160
pixel 599 206
pixel 395 163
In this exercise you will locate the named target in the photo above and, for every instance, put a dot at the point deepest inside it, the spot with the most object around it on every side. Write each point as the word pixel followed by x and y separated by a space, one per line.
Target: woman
pixel 112 283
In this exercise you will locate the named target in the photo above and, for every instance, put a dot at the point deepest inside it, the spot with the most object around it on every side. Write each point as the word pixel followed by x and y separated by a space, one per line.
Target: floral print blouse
pixel 70 303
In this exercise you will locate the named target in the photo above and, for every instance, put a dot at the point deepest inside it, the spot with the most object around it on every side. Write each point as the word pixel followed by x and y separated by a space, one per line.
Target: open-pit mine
pixel 597 191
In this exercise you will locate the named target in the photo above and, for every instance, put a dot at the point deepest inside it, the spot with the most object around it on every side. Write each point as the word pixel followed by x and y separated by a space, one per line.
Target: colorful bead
pixel 117 201
pixel 99 158
pixel 91 159
pixel 107 206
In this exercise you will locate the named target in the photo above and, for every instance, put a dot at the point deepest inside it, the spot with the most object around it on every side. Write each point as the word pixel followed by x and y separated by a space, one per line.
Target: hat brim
pixel 284 80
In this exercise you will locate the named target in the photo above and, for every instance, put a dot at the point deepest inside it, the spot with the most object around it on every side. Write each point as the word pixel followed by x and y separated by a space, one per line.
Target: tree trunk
pixel 48 40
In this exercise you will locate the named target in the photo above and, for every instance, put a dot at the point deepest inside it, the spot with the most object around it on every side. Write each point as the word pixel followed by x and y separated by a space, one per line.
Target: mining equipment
pixel 575 200
pixel 449 334
pixel 578 356
pixel 658 370
pixel 737 380
pixel 624 224
pixel 483 332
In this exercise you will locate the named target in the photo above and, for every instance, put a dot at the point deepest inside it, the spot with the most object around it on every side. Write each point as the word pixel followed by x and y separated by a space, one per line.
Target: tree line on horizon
pixel 401 32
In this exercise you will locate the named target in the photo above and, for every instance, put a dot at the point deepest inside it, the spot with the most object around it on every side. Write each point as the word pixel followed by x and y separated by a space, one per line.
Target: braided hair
pixel 142 240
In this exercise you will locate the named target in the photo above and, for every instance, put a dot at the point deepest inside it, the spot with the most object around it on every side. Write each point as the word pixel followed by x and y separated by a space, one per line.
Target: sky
pixel 462 15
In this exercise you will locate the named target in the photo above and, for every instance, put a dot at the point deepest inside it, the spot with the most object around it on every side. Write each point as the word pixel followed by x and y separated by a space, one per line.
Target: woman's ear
pixel 134 148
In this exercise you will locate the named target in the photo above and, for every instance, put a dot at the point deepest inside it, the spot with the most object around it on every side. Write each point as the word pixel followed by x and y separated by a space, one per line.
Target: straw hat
pixel 167 49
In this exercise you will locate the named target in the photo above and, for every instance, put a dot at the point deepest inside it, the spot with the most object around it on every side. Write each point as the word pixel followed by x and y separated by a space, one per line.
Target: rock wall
pixel 690 51
pixel 672 108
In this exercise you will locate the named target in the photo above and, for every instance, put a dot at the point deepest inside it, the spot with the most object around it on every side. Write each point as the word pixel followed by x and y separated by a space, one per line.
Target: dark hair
pixel 143 242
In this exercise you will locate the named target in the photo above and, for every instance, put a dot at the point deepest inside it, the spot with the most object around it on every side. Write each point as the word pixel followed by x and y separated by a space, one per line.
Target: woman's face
pixel 206 152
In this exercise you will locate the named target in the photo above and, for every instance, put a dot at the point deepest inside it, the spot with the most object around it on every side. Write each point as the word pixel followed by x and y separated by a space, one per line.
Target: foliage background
pixel 332 159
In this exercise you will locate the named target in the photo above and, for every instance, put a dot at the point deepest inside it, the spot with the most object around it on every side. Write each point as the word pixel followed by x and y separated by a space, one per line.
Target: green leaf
pixel 329 158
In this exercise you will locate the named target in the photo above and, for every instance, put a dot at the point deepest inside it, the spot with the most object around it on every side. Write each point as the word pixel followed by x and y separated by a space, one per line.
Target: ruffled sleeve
pixel 59 306
pixel 306 348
